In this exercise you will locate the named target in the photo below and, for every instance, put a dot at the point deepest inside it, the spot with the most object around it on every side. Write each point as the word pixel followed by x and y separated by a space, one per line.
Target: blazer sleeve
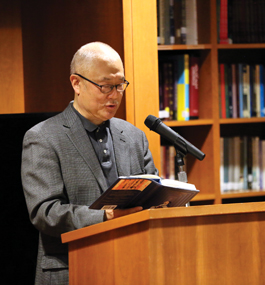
pixel 48 204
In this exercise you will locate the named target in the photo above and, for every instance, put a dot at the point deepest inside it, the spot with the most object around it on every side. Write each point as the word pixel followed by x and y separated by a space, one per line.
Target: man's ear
pixel 75 83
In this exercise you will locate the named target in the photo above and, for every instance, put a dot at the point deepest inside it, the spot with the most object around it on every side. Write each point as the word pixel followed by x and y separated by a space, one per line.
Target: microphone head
pixel 152 122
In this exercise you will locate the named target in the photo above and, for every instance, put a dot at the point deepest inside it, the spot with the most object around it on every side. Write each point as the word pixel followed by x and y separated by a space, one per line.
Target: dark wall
pixel 18 238
pixel 52 31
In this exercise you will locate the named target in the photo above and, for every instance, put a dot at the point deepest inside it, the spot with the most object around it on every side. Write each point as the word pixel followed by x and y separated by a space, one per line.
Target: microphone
pixel 156 125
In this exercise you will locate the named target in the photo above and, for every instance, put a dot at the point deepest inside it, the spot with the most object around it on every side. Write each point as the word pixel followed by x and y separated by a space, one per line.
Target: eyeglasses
pixel 108 88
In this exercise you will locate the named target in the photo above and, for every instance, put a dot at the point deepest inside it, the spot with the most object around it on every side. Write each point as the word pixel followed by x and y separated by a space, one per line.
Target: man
pixel 69 160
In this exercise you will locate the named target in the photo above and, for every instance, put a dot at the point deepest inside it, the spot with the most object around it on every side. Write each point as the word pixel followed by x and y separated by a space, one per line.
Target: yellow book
pixel 183 88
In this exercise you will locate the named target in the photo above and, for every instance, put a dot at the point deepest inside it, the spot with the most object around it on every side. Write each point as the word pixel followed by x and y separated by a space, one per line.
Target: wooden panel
pixel 141 49
pixel 111 258
pixel 11 62
pixel 218 244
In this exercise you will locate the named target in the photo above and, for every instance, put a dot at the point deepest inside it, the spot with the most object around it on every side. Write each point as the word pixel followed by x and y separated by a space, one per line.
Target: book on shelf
pixel 235 103
pixel 177 22
pixel 241 90
pixel 148 191
pixel 177 96
pixel 223 22
pixel 261 90
pixel 246 91
pixel 164 22
pixel 222 90
pixel 191 22
pixel 228 91
pixel 240 21
pixel 183 88
pixel 242 164
pixel 194 87
pixel 183 28
pixel 256 88
pixel 172 36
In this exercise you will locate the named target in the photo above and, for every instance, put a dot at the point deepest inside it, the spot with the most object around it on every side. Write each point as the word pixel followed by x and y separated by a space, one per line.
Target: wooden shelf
pixel 242 120
pixel 184 47
pixel 203 122
pixel 242 194
pixel 241 46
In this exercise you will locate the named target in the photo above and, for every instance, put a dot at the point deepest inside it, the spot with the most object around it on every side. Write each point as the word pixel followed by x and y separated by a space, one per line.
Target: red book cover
pixel 194 87
pixel 223 29
pixel 222 90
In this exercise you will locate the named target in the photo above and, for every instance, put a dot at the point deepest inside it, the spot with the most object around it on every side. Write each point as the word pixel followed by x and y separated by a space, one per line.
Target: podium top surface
pixel 165 213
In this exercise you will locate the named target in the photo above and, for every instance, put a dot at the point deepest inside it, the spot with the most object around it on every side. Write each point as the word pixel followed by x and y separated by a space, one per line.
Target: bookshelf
pixel 205 132
pixel 34 74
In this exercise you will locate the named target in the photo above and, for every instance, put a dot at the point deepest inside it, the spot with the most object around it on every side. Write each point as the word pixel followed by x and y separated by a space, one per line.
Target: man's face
pixel 91 102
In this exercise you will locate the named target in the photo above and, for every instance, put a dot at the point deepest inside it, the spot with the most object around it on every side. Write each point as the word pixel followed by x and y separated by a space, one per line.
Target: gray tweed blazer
pixel 61 177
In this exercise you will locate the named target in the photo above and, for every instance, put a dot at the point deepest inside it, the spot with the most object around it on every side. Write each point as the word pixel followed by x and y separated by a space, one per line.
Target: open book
pixel 148 191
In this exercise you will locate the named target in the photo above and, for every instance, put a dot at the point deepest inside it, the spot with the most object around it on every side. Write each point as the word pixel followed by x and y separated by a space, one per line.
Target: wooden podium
pixel 216 244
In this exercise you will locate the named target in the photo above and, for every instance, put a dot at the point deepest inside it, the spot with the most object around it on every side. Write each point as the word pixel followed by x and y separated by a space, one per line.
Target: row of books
pixel 241 90
pixel 242 164
pixel 178 87
pixel 241 21
pixel 177 22
pixel 169 169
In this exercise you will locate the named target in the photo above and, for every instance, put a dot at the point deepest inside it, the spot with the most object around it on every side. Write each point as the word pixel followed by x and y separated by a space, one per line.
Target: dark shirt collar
pixel 89 126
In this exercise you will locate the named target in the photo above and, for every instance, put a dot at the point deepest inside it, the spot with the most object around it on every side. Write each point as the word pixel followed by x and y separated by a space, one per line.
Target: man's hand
pixel 112 214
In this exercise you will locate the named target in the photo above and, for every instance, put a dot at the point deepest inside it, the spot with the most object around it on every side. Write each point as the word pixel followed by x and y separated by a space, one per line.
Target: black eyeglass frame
pixel 100 86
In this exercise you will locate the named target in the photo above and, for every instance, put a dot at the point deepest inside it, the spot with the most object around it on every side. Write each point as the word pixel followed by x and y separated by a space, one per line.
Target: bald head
pixel 89 55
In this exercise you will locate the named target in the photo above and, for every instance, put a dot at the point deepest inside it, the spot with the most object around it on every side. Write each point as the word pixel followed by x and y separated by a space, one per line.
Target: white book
pixel 257 88
pixel 231 181
pixel 222 184
pixel 236 172
pixel 255 164
pixel 263 164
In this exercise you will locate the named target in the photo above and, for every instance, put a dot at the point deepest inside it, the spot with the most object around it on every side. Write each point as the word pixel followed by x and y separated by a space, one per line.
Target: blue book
pixel 262 99
pixel 240 89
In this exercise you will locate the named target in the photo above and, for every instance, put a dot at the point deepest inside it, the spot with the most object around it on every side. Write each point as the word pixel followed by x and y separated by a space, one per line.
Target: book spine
pixel 262 90
pixel 253 103
pixel 246 91
pixel 255 164
pixel 177 21
pixel 158 21
pixel 194 87
pixel 170 91
pixel 162 21
pixel 186 82
pixel 236 160
pixel 222 89
pixel 234 92
pixel 240 89
pixel 191 22
pixel 171 23
pixel 263 164
pixel 257 89
pixel 182 88
pixel 222 165
pixel 223 22
pixel 183 30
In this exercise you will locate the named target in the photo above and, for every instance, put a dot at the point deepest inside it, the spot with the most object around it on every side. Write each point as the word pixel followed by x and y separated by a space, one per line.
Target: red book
pixel 222 90
pixel 194 87
pixel 223 28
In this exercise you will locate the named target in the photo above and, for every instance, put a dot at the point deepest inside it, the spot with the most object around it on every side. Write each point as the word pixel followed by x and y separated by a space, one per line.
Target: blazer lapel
pixel 78 136
pixel 121 150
